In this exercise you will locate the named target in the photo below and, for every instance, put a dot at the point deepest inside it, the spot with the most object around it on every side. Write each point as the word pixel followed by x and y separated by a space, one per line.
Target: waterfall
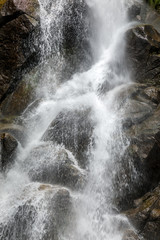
pixel 92 93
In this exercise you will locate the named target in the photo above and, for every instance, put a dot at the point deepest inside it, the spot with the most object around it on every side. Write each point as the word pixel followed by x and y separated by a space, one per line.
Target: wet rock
pixel 8 150
pixel 143 48
pixel 17 131
pixel 134 11
pixel 73 44
pixel 30 7
pixel 130 235
pixel 146 147
pixel 19 50
pixel 19 100
pixel 139 171
pixel 153 93
pixel 137 111
pixel 41 211
pixel 146 216
pixel 53 164
pixel 73 129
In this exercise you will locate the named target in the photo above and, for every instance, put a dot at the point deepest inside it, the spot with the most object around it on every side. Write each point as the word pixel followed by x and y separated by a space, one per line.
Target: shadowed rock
pixel 16 131
pixel 73 129
pixel 43 212
pixel 146 215
pixel 143 49
pixel 53 164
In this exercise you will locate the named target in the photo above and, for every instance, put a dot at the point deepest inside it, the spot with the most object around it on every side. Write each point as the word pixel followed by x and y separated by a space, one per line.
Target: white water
pixel 95 219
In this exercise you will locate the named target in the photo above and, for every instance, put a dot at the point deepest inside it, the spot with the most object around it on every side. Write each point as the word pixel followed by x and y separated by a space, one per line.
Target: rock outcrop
pixel 146 215
pixel 143 48
pixel 18 50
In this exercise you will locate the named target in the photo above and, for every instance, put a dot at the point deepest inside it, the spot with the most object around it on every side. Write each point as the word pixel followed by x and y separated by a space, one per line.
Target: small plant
pixel 154 3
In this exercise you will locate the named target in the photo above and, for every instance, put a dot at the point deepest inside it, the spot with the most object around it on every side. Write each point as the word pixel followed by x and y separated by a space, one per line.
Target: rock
pixel 17 131
pixel 30 7
pixel 69 35
pixel 146 216
pixel 8 150
pixel 19 100
pixel 142 49
pixel 23 55
pixel 137 111
pixel 146 147
pixel 41 211
pixel 134 11
pixel 153 93
pixel 53 164
pixel 139 166
pixel 130 235
pixel 73 129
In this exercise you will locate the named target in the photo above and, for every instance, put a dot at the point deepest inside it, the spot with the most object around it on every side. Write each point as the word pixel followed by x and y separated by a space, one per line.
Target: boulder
pixel 40 211
pixel 8 150
pixel 30 7
pixel 146 215
pixel 130 235
pixel 53 164
pixel 134 11
pixel 73 129
pixel 68 36
pixel 19 51
pixel 15 104
pixel 139 166
pixel 142 50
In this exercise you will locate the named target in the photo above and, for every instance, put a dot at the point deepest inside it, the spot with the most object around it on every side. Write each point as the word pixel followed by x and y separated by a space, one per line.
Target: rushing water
pixel 95 90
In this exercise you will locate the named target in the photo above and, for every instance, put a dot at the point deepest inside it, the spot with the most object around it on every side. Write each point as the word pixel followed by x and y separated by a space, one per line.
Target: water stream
pixel 94 91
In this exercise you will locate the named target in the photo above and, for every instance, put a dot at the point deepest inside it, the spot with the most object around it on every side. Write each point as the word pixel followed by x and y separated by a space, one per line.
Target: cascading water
pixel 94 91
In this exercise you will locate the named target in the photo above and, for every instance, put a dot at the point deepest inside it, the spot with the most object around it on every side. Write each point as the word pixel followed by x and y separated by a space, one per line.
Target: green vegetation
pixel 2 2
pixel 154 3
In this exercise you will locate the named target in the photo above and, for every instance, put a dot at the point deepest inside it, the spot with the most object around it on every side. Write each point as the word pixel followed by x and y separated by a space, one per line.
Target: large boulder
pixel 139 166
pixel 22 97
pixel 40 212
pixel 142 50
pixel 19 51
pixel 73 129
pixel 53 164
pixel 146 215
pixel 68 31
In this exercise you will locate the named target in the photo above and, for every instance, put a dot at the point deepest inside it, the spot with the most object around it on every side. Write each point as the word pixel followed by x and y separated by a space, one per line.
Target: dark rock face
pixel 17 54
pixel 139 166
pixel 74 131
pixel 146 216
pixel 8 150
pixel 143 48
pixel 16 102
